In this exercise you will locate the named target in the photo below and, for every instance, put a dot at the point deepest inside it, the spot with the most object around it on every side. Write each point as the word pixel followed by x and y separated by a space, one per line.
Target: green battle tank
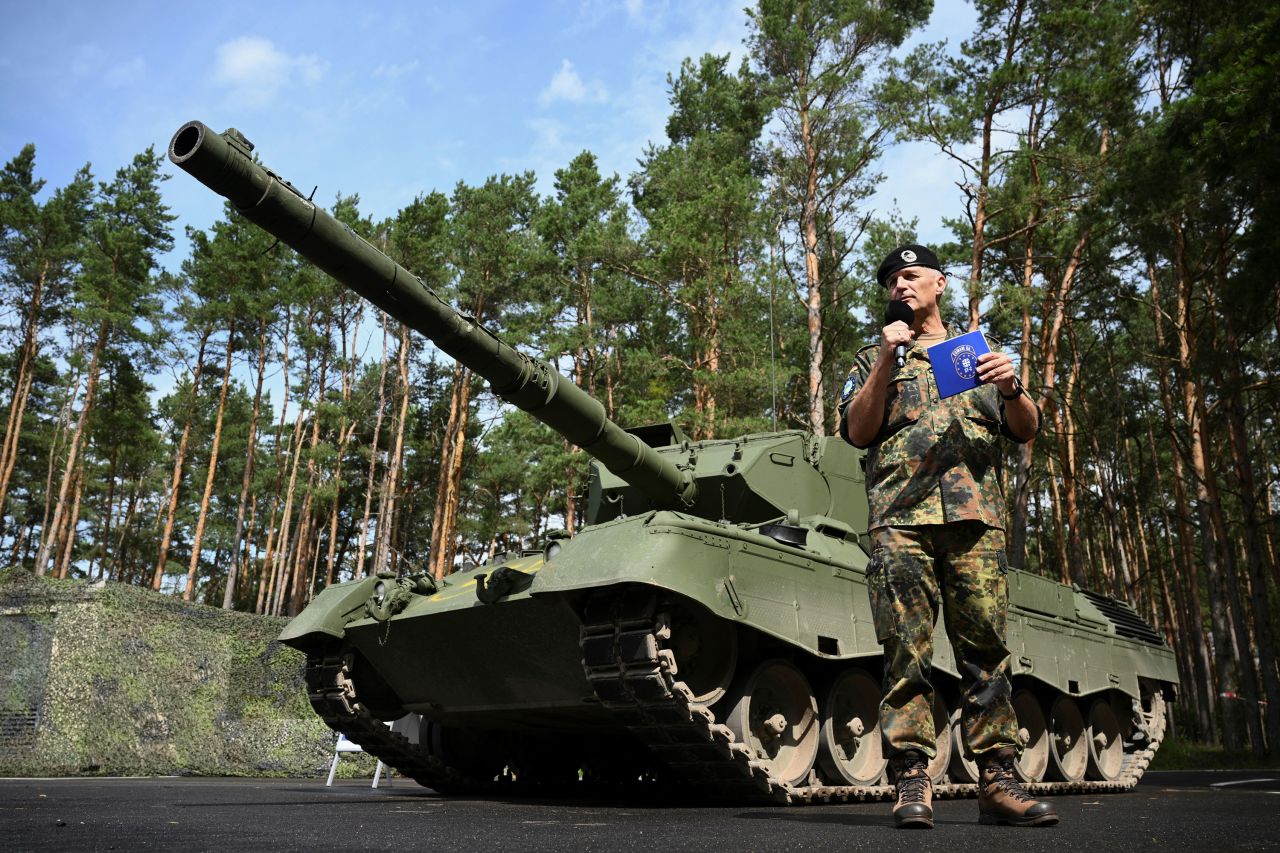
pixel 707 628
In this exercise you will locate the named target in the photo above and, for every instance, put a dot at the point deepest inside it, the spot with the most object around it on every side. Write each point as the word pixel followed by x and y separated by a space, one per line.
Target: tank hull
pixel 550 660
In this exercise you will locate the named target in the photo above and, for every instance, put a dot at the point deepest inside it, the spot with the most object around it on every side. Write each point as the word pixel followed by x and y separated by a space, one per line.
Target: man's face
pixel 919 287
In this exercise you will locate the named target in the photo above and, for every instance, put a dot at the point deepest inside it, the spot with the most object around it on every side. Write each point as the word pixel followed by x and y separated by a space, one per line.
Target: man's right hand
pixel 865 412
pixel 892 336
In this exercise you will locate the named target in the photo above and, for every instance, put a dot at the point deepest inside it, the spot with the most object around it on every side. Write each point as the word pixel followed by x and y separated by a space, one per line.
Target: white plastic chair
pixel 406 725
pixel 343 746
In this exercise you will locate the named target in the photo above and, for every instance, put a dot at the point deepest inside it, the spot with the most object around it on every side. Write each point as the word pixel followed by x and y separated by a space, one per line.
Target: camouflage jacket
pixel 934 460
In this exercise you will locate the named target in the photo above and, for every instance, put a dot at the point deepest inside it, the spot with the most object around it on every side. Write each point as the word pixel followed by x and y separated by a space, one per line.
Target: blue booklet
pixel 955 363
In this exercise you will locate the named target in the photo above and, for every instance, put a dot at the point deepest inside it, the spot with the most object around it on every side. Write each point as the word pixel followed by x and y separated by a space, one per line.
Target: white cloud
pixel 645 14
pixel 256 70
pixel 566 85
pixel 548 136
pixel 86 60
pixel 133 71
pixel 395 71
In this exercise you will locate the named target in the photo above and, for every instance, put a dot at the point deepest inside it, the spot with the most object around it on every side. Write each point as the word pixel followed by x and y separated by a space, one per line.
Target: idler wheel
pixel 851 752
pixel 705 648
pixel 1033 731
pixel 1106 745
pixel 941 739
pixel 1068 741
pixel 775 714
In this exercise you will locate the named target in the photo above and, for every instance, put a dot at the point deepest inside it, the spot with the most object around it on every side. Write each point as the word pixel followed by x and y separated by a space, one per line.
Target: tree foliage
pixel 241 430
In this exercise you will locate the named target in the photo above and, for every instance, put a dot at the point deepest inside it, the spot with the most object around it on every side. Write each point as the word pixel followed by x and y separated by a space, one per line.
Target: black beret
pixel 906 256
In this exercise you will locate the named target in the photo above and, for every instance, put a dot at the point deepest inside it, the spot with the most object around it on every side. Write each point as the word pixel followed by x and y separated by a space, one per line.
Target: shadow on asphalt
pixel 815 817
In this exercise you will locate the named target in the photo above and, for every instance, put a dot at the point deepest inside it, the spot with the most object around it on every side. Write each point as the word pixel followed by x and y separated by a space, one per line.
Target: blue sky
pixel 387 99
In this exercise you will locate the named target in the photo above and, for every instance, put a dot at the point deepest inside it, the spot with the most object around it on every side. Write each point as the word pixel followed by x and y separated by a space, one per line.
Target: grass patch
pixel 1176 754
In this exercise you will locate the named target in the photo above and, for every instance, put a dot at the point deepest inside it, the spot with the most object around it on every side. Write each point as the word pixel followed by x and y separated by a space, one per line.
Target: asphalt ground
pixel 1168 811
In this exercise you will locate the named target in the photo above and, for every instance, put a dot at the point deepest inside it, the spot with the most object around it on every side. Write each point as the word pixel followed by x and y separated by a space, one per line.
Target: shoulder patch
pixel 850 386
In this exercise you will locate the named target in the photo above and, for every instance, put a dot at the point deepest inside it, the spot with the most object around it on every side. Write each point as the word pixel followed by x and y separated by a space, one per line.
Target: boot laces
pixel 1003 779
pixel 913 781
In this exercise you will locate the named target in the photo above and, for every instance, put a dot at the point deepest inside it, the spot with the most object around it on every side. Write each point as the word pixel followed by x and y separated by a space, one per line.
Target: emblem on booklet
pixel 965 359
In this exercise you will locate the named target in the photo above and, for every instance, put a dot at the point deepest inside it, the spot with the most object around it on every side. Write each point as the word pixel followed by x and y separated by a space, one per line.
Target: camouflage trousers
pixel 960 566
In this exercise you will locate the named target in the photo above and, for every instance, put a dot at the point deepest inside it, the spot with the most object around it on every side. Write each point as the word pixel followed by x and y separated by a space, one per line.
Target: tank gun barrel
pixel 224 163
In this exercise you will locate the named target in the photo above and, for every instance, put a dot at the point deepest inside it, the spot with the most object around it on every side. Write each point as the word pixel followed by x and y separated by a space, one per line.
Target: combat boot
pixel 914 809
pixel 1003 800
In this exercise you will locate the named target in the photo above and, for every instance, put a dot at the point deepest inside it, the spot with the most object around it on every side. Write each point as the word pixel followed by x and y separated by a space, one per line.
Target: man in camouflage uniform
pixel 937 538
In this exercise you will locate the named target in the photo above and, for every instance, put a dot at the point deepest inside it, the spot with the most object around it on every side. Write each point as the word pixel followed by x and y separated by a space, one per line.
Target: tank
pixel 707 630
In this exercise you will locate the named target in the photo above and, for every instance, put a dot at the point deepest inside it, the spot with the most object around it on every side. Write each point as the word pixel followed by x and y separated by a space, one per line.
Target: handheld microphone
pixel 898 310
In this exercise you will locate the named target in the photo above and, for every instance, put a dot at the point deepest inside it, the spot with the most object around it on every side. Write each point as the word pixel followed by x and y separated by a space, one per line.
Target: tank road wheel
pixel 1068 742
pixel 1033 731
pixel 941 739
pixel 963 770
pixel 1106 746
pixel 705 648
pixel 851 752
pixel 775 715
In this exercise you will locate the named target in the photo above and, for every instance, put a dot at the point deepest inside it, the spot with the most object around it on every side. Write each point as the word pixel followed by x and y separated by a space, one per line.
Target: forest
pixel 241 431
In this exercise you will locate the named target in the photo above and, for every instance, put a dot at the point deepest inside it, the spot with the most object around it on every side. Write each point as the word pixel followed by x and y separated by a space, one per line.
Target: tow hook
pixel 391 594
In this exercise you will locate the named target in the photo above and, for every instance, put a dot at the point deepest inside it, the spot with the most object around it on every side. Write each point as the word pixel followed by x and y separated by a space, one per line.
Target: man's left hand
pixel 997 369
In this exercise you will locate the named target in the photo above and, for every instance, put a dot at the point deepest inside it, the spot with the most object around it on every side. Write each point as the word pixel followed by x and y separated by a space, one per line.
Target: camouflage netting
pixel 114 680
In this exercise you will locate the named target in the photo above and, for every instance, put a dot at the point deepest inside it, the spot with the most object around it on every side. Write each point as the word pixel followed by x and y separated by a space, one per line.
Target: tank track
pixel 333 696
pixel 634 675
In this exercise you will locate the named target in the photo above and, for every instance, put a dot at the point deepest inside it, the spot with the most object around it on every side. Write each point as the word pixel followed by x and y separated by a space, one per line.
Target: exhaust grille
pixel 1127 621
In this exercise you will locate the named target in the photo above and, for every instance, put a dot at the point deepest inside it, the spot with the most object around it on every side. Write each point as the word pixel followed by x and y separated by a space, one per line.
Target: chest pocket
pixel 980 414
pixel 905 400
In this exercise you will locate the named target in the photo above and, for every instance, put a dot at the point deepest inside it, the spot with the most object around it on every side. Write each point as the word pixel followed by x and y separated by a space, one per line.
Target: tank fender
pixel 329 613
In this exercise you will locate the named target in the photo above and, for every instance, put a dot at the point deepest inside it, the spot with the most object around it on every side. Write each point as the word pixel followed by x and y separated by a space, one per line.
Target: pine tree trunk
pixel 344 438
pixel 252 565
pixel 373 451
pixel 21 386
pixel 61 509
pixel 179 462
pixel 1055 502
pixel 1017 538
pixel 239 552
pixel 1066 429
pixel 452 446
pixel 203 516
pixel 1250 497
pixel 103 540
pixel 73 522
pixel 812 271
pixel 267 578
pixel 1206 701
pixel 118 569
pixel 387 514
pixel 286 521
pixel 60 431
pixel 1193 417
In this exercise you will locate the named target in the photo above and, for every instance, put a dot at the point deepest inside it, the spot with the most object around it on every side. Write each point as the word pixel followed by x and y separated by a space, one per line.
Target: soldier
pixel 937 539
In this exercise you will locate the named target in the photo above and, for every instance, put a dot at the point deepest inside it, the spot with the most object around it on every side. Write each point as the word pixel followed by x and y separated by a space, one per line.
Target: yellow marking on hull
pixel 454 591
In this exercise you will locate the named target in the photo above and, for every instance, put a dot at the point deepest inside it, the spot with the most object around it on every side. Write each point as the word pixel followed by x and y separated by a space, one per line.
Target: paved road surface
pixel 1167 812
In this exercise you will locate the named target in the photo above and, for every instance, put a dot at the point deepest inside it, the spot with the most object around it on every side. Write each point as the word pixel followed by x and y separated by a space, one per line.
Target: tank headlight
pixel 379 591
pixel 552 550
